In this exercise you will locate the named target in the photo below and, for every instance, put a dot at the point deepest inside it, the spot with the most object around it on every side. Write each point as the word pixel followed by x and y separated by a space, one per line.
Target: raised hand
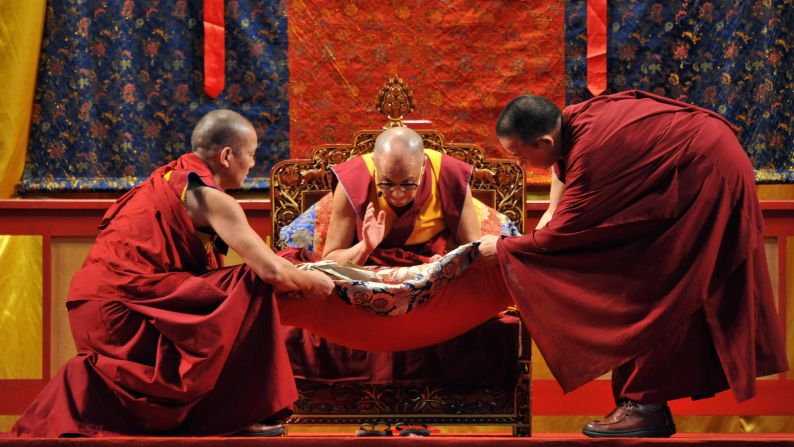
pixel 373 228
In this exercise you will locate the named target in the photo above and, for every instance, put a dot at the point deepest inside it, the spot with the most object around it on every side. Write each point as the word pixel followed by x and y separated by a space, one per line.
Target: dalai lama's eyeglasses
pixel 404 187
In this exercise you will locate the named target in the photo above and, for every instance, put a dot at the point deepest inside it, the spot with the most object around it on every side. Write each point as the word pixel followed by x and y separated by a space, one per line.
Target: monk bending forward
pixel 168 341
pixel 650 260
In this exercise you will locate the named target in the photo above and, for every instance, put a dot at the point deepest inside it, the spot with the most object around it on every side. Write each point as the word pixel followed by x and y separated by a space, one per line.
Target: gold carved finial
pixel 395 100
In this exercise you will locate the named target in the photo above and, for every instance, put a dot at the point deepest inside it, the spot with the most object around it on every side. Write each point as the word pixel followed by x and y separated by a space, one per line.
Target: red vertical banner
pixel 596 46
pixel 214 47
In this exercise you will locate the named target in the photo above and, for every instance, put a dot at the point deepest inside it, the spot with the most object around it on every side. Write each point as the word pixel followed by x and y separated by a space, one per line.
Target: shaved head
pixel 218 129
pixel 399 158
pixel 399 147
pixel 528 117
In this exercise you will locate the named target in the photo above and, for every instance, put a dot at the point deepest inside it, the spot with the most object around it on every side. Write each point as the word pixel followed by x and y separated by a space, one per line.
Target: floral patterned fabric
pixel 731 57
pixel 463 59
pixel 120 87
pixel 394 291
pixel 494 222
pixel 309 230
pixel 120 84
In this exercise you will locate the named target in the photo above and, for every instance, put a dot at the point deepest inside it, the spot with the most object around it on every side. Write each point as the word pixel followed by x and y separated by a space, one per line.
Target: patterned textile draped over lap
pixel 394 291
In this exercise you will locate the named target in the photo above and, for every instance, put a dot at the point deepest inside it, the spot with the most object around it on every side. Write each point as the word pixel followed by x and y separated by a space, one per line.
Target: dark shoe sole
pixel 275 432
pixel 661 432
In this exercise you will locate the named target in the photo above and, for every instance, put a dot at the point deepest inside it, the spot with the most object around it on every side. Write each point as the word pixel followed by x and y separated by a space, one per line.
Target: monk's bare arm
pixel 341 230
pixel 554 198
pixel 208 206
pixel 469 228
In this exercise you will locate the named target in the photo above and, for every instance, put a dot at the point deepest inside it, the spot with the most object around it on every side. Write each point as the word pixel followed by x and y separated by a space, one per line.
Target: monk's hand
pixel 373 228
pixel 318 285
pixel 487 249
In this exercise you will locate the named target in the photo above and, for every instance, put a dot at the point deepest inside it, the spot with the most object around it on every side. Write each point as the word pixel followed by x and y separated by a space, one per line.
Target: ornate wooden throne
pixel 297 184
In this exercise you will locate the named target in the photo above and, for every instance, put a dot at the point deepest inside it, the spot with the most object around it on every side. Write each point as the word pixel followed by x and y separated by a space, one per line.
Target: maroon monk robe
pixel 453 182
pixel 167 344
pixel 653 263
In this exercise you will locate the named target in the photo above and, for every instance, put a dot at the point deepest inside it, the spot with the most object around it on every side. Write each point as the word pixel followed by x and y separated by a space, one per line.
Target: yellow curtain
pixel 21 25
pixel 21 306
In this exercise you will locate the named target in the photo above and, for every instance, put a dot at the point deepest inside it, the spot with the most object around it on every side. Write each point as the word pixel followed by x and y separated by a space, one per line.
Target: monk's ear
pixel 225 155
pixel 545 143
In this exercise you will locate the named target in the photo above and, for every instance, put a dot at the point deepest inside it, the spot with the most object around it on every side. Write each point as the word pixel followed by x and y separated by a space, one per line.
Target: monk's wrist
pixel 365 247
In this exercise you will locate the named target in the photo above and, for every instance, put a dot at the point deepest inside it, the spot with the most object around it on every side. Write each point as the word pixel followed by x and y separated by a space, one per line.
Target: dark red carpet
pixel 545 440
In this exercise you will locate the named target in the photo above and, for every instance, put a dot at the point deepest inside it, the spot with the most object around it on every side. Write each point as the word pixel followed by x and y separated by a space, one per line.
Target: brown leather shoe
pixel 264 430
pixel 628 421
